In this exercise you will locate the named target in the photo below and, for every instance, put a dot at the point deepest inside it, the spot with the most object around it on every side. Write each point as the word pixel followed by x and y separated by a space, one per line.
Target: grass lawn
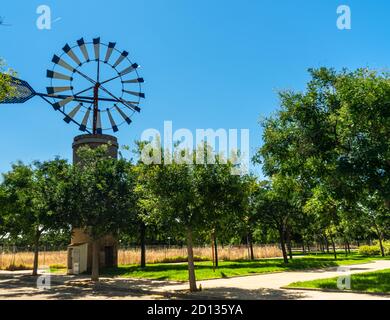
pixel 204 270
pixel 378 281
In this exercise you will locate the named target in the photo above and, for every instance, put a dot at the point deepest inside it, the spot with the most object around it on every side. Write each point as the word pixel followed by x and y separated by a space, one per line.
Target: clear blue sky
pixel 208 64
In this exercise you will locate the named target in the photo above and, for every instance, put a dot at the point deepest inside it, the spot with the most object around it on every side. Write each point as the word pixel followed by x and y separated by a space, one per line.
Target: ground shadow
pixel 23 286
pixel 17 287
pixel 245 294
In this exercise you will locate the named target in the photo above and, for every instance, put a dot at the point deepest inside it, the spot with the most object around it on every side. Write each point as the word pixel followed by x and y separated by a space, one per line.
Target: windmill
pixel 93 84
pixel 98 88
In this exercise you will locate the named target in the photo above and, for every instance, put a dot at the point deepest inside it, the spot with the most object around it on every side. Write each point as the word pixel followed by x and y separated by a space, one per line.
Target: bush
pixel 57 266
pixel 369 250
pixel 386 246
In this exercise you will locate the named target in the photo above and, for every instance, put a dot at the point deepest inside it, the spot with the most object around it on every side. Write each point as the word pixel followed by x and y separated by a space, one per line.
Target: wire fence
pixel 13 257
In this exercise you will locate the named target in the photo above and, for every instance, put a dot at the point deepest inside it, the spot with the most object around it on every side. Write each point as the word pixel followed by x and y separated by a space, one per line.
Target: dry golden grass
pixel 24 260
pixel 156 255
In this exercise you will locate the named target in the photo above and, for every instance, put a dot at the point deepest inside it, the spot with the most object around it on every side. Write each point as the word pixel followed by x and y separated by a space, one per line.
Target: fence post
pixel 44 255
pixel 14 254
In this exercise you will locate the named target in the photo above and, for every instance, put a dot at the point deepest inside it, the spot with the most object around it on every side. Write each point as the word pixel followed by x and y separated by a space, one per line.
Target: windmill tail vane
pixel 21 92
pixel 95 101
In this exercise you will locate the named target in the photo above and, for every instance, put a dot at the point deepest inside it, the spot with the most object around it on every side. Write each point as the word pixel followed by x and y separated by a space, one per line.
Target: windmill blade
pixel 111 46
pixel 68 50
pixel 22 91
pixel 73 113
pixel 57 75
pixel 59 105
pixel 123 115
pixel 84 123
pixel 138 80
pixel 57 60
pixel 112 121
pixel 130 104
pixel 83 49
pixel 96 48
pixel 129 69
pixel 138 94
pixel 123 55
pixel 51 90
pixel 99 123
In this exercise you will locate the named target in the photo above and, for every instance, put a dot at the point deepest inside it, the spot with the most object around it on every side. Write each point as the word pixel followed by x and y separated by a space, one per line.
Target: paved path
pixel 268 286
pixel 19 285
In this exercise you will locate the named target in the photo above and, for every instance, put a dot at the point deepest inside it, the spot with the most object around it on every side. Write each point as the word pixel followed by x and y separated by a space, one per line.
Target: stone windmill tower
pixel 97 87
pixel 81 246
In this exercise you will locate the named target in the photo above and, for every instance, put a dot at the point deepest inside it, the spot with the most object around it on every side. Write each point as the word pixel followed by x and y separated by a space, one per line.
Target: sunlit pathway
pixel 269 286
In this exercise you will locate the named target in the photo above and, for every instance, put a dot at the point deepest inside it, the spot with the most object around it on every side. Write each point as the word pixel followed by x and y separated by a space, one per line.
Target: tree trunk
pixel 326 244
pixel 212 252
pixel 36 254
pixel 95 260
pixel 288 240
pixel 143 244
pixel 282 244
pixel 334 248
pixel 303 248
pixel 380 238
pixel 191 266
pixel 215 249
pixel 250 244
pixel 322 245
pixel 348 247
pixel 381 245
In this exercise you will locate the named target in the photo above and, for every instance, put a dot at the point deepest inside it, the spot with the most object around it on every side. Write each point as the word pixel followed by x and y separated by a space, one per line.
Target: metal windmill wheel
pixel 95 86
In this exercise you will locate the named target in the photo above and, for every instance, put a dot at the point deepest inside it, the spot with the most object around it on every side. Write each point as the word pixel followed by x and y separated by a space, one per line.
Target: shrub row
pixel 374 250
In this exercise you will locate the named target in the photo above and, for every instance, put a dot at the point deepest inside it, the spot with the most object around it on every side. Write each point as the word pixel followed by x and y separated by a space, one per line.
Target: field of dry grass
pixel 156 255
pixel 24 260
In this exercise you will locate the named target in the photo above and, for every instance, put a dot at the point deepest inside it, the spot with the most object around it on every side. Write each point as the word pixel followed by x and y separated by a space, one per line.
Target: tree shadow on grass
pixel 245 294
pixel 293 265
pixel 228 268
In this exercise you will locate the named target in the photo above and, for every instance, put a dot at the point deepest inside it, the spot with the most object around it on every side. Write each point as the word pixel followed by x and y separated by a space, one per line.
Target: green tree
pixel 325 208
pixel 173 197
pixel 277 204
pixel 376 215
pixel 140 215
pixel 334 140
pixel 142 220
pixel 34 202
pixel 102 196
pixel 6 90
pixel 247 218
pixel 221 194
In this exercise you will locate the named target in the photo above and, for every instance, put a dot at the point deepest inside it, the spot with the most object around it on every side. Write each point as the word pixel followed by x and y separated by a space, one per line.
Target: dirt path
pixel 20 285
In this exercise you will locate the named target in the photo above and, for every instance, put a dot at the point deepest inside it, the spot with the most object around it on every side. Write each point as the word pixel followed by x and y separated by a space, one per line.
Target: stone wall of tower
pixel 108 243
